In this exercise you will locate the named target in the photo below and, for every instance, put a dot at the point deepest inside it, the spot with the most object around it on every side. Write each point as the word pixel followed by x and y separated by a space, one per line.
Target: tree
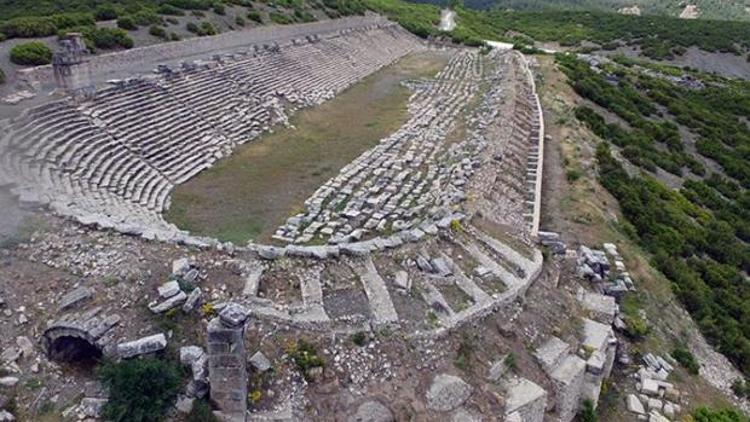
pixel 140 389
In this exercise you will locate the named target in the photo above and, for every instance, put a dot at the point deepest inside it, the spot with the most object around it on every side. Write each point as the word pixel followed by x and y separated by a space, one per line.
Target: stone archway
pixel 70 344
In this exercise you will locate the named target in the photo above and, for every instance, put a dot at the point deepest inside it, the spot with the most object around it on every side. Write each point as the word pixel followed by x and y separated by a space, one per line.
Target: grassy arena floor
pixel 248 195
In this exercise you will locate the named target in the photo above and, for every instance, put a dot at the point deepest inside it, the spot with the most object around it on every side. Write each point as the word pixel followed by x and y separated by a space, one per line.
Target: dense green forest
pixel 698 235
pixel 709 9
pixel 657 37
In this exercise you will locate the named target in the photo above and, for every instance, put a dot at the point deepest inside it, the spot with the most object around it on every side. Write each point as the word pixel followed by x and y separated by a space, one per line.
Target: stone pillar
pixel 227 369
pixel 70 67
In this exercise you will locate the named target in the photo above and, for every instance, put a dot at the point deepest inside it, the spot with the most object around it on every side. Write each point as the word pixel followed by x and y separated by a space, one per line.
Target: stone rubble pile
pixel 657 400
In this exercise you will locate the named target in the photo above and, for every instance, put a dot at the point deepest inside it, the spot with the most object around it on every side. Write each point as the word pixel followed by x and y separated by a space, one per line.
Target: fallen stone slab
pixel 193 300
pixel 260 362
pixel 168 304
pixel 168 289
pixel 142 346
pixel 635 405
pixel 75 297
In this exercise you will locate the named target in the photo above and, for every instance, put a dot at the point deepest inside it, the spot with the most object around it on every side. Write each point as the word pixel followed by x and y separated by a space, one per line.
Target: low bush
pixel 219 8
pixel 105 12
pixel 254 16
pixel 239 20
pixel 127 22
pixel 2 77
pixel 141 390
pixel 31 53
pixel 158 31
pixel 168 9
pixel 682 355
pixel 280 18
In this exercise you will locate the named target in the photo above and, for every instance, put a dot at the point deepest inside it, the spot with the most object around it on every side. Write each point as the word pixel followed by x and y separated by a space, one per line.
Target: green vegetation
pixel 31 53
pixel 140 389
pixel 697 235
pixel 741 388
pixel 683 356
pixel 360 338
pixel 587 412
pixel 101 38
pixel 709 9
pixel 201 412
pixel 2 77
pixel 705 414
pixel 305 357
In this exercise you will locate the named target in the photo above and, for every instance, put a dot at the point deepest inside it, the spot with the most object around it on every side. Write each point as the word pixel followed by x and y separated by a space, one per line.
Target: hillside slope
pixel 706 9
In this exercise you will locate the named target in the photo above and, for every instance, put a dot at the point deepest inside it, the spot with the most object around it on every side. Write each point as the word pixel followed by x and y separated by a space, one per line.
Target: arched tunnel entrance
pixel 68 344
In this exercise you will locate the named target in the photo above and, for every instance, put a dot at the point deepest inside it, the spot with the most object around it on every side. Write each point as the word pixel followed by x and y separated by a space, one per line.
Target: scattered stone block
pixel 635 405
pixel 169 289
pixel 525 401
pixel 193 300
pixel 260 362
pixel 142 346
pixel 168 304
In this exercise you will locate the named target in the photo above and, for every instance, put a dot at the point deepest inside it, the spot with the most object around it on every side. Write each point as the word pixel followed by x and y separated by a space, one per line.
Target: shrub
pixel 254 15
pixel 359 338
pixel 2 37
pixel 219 8
pixel 682 355
pixel 146 17
pixel 126 22
pixel 104 38
pixel 192 27
pixel 140 389
pixel 201 412
pixel 31 53
pixel 2 77
pixel 587 412
pixel 32 27
pixel 168 9
pixel 158 31
pixel 239 20
pixel 705 414
pixel 105 12
pixel 741 388
pixel 206 28
pixel 174 37
pixel 280 18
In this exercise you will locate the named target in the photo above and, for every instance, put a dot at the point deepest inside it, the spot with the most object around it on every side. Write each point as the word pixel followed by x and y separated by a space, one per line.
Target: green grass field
pixel 248 195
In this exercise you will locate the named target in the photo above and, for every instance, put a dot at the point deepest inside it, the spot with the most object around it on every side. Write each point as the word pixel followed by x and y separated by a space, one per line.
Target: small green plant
pixel 254 16
pixel 573 175
pixel 360 338
pixel 239 20
pixel 741 388
pixel 201 412
pixel 208 310
pixel 510 361
pixel 682 355
pixel 587 412
pixel 464 353
pixel 305 357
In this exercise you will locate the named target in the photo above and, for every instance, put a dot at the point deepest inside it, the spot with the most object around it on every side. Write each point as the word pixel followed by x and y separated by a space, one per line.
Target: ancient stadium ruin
pixel 429 229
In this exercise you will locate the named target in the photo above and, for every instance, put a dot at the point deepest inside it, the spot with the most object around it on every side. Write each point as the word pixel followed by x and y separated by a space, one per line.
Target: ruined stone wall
pixel 143 59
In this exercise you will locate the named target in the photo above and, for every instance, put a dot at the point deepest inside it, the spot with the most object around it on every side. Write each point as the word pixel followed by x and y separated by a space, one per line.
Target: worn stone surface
pixel 142 346
pixel 372 411
pixel 447 392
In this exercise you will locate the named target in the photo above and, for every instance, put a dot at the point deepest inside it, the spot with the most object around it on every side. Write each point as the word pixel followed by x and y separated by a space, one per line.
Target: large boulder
pixel 447 392
pixel 372 411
